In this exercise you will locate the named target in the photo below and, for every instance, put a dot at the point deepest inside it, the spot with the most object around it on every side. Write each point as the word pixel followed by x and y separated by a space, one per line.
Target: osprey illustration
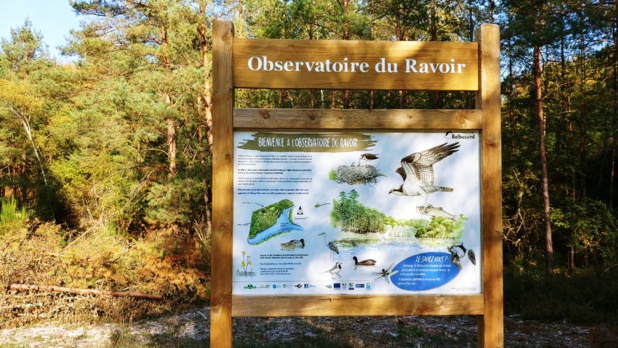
pixel 417 171
pixel 368 157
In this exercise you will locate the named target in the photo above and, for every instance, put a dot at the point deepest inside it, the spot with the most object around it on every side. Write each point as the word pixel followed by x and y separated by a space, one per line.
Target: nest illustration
pixel 355 175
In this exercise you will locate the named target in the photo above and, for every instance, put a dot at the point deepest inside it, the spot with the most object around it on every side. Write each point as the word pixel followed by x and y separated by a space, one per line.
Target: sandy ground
pixel 192 329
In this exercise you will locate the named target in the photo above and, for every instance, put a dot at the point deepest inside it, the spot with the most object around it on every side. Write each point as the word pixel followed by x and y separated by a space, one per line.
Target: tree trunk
pixel 611 176
pixel 206 92
pixel 346 36
pixel 433 36
pixel 28 287
pixel 549 251
pixel 615 107
pixel 26 123
pixel 171 146
pixel 583 125
pixel 170 122
pixel 207 102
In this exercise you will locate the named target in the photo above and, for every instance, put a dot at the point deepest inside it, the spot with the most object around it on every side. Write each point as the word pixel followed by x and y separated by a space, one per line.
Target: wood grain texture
pixel 339 119
pixel 222 186
pixel 348 305
pixel 491 324
pixel 451 76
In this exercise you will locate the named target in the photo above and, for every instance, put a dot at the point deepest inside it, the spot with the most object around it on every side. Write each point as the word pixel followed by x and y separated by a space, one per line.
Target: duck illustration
pixel 367 262
pixel 293 244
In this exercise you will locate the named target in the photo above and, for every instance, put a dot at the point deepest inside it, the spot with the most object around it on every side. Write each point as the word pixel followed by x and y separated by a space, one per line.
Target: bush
pixel 11 217
pixel 167 262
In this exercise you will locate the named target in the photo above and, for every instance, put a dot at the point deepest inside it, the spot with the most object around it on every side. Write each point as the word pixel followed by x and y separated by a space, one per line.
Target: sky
pixel 52 18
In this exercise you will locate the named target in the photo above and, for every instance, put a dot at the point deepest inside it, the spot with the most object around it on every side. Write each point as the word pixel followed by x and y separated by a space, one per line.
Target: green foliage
pixel 25 51
pixel 439 227
pixel 350 215
pixel 591 229
pixel 11 217
pixel 175 202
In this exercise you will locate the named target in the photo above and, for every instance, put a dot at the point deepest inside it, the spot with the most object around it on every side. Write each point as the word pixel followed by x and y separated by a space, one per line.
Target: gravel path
pixel 192 329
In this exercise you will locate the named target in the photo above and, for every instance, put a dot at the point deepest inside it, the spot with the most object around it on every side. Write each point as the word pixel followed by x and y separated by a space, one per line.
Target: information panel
pixel 356 212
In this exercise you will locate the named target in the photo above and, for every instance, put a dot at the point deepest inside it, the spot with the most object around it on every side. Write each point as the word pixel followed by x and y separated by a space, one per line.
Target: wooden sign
pixel 246 63
pixel 383 65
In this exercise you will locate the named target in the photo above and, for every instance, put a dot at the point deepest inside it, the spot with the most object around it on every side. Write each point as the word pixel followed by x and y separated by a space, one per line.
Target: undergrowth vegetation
pixel 164 262
pixel 581 296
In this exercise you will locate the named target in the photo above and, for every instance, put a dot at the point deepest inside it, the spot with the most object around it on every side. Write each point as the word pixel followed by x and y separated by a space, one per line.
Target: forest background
pixel 105 161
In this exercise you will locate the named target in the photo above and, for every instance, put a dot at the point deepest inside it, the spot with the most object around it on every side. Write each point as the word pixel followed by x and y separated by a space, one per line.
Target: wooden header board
pixel 380 65
pixel 240 63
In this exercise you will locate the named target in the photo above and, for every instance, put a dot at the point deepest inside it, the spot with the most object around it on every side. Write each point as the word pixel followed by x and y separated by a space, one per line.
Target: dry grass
pixel 165 262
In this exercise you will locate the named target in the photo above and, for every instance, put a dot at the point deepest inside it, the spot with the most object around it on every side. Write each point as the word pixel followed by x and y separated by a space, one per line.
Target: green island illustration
pixel 349 215
pixel 270 221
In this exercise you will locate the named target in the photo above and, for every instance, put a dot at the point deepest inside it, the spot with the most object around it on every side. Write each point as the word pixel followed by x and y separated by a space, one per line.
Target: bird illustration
pixel 293 244
pixel 417 172
pixel 334 270
pixel 456 256
pixel 367 262
pixel 333 248
pixel 472 256
pixel 470 252
pixel 369 157
pixel 460 246
pixel 455 259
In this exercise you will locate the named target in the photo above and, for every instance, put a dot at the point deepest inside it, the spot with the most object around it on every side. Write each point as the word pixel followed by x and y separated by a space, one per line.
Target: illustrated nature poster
pixel 356 213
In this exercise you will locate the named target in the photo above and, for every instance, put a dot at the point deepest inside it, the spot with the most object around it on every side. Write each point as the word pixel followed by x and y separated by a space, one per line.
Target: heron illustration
pixel 333 248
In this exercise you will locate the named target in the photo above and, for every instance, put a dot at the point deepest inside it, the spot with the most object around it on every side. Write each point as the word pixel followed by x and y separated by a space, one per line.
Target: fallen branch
pixel 84 291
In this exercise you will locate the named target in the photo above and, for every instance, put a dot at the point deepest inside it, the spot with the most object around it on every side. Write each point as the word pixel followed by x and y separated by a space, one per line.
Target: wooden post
pixel 222 186
pixel 491 324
